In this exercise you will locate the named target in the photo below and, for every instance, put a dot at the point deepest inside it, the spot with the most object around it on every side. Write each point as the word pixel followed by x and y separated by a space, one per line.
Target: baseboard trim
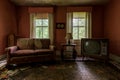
pixel 115 60
pixel 3 56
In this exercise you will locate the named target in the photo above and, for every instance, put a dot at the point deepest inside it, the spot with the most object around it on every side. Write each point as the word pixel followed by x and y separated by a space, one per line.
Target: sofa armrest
pixel 11 49
pixel 52 47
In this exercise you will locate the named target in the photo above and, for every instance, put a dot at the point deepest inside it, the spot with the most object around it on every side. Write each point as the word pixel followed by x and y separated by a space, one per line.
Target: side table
pixel 63 49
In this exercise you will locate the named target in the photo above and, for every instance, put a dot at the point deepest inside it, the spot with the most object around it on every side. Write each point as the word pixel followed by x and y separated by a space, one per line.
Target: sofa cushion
pixel 25 43
pixel 37 44
pixel 43 51
pixel 23 53
pixel 45 43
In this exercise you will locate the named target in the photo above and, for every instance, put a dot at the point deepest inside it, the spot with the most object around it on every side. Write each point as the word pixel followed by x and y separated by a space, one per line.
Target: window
pixel 41 26
pixel 78 23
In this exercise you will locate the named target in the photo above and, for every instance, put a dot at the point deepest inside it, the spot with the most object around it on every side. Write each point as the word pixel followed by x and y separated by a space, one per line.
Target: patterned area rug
pixel 67 70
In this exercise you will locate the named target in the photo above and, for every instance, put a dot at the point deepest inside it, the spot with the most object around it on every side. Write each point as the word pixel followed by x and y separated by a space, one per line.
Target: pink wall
pixel 41 9
pixel 112 26
pixel 7 22
pixel 23 19
pixel 97 22
pixel 60 17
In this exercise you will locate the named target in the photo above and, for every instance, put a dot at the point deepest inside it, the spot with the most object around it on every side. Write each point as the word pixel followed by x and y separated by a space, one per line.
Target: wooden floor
pixel 65 70
pixel 62 70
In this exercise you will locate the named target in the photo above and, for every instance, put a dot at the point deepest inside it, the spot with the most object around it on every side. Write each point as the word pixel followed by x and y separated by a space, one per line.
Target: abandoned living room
pixel 59 40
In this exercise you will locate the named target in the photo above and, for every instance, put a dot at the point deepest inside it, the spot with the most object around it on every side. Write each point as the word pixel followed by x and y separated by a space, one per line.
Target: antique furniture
pixel 30 50
pixel 66 48
pixel 11 40
pixel 95 48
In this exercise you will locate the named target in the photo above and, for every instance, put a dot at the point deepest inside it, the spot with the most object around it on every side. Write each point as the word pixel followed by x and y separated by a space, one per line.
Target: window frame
pixel 51 26
pixel 88 29
pixel 42 27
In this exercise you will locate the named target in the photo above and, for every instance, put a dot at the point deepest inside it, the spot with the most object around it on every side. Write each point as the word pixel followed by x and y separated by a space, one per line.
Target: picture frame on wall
pixel 60 25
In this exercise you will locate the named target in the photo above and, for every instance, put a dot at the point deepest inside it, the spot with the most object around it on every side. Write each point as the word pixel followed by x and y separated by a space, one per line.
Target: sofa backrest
pixel 29 43
pixel 25 43
pixel 45 43
pixel 37 44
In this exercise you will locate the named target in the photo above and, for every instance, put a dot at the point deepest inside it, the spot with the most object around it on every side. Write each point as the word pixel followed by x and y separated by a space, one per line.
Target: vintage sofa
pixel 30 50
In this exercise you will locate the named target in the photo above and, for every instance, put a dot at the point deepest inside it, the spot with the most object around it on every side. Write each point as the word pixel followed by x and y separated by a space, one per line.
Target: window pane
pixel 78 22
pixel 42 30
pixel 81 32
pixel 41 22
pixel 75 32
pixel 75 22
pixel 45 32
pixel 79 25
pixel 38 22
pixel 45 22
pixel 81 22
pixel 38 32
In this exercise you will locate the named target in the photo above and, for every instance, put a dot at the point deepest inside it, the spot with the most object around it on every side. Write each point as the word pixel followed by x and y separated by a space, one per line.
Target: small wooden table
pixel 74 53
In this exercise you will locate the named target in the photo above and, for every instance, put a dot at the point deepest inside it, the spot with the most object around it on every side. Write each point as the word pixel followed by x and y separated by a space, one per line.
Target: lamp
pixel 68 37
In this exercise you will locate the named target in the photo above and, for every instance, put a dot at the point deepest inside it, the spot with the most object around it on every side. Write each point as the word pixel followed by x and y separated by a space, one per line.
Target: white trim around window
pixel 33 16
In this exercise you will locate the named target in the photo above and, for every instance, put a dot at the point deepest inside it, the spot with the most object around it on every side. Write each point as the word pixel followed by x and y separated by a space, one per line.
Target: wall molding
pixel 3 56
pixel 115 60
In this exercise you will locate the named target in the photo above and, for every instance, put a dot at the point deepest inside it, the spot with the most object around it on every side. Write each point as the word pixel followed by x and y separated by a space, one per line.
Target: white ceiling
pixel 58 2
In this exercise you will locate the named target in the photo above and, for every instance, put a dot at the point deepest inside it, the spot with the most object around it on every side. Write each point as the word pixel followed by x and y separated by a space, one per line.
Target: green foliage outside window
pixel 78 33
pixel 42 29
pixel 78 28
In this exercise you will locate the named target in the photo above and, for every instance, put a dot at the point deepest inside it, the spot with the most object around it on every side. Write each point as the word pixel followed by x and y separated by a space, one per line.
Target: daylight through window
pixel 78 23
pixel 41 25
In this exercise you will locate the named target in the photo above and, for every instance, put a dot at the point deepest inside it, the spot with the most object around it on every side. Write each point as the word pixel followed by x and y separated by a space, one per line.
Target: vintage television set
pixel 95 48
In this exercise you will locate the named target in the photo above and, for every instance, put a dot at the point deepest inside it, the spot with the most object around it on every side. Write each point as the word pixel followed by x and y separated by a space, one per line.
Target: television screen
pixel 94 47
